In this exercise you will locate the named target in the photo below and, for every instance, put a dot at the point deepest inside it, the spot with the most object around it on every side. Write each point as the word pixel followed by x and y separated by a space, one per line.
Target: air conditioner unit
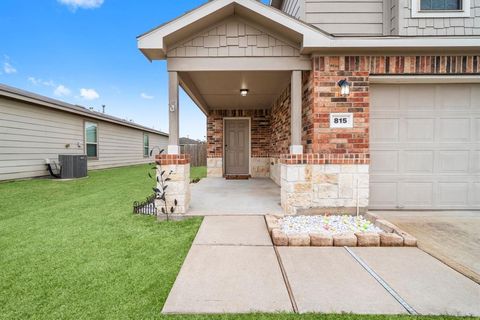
pixel 72 166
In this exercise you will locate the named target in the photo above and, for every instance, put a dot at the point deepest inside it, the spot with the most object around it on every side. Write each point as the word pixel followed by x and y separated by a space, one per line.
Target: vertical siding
pixel 295 8
pixel 30 133
pixel 438 26
pixel 346 17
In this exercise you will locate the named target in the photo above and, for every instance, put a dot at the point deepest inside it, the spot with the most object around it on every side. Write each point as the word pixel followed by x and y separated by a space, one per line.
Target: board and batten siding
pixel 455 26
pixel 30 133
pixel 346 17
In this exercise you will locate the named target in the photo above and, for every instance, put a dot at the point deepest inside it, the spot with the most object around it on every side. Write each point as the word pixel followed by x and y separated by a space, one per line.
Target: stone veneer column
pixel 179 185
pixel 317 183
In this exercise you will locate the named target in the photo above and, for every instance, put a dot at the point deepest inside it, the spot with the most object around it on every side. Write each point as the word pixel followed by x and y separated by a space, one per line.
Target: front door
pixel 237 145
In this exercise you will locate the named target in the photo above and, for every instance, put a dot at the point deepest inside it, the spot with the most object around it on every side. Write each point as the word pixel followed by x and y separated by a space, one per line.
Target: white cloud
pixel 8 68
pixel 62 91
pixel 82 4
pixel 38 81
pixel 146 96
pixel 89 94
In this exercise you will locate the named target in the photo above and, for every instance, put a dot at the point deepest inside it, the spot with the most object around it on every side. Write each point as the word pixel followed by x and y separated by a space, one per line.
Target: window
pixel 91 139
pixel 146 145
pixel 440 4
pixel 440 8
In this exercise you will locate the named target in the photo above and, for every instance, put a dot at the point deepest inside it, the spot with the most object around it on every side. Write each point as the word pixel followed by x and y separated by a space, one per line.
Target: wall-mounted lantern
pixel 243 92
pixel 344 87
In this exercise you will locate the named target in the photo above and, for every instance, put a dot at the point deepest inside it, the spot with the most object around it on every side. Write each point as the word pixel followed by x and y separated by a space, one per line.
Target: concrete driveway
pixel 232 267
pixel 450 236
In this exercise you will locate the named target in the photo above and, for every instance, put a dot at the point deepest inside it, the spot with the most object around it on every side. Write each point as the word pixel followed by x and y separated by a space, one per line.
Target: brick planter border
pixel 392 236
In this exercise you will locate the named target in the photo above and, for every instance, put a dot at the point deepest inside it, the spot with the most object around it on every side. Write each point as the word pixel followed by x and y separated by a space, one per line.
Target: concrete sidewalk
pixel 232 267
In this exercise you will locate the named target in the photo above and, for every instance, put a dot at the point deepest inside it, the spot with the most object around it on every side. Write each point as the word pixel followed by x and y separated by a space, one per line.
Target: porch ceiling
pixel 221 89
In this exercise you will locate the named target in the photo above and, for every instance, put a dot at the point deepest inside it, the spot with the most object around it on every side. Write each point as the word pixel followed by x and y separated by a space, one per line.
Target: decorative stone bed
pixel 367 230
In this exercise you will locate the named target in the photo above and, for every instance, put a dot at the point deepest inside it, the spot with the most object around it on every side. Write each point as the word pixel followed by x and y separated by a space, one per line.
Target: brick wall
pixel 260 132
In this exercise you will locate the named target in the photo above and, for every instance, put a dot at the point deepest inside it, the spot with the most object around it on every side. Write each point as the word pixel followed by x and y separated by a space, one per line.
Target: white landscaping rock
pixel 330 225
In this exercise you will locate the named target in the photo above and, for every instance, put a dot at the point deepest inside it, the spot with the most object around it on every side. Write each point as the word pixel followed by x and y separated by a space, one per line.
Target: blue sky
pixel 84 52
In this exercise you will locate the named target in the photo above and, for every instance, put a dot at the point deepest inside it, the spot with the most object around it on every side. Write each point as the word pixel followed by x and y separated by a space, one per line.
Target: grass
pixel 74 250
pixel 198 173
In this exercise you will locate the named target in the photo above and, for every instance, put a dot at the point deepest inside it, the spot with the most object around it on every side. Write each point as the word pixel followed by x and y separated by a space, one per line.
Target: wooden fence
pixel 197 152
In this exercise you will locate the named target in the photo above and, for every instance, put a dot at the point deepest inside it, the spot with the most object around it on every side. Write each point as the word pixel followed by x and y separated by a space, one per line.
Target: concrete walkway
pixel 212 196
pixel 232 267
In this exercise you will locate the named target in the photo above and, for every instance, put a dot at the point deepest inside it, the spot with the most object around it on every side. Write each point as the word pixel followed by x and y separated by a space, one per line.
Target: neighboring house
pixel 403 131
pixel 34 128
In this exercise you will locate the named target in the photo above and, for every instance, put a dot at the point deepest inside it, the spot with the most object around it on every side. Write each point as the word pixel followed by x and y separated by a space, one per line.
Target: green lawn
pixel 198 172
pixel 74 250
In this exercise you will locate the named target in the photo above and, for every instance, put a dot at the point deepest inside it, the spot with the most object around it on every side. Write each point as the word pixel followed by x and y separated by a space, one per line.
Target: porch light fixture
pixel 344 87
pixel 243 92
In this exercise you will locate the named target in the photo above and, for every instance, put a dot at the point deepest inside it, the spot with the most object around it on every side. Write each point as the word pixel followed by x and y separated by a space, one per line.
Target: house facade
pixel 344 104
pixel 34 128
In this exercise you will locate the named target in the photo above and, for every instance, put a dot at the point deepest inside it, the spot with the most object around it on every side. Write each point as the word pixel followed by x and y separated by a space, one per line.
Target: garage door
pixel 425 146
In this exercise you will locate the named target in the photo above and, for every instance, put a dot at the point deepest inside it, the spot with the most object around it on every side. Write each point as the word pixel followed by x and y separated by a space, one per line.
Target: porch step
pixel 237 176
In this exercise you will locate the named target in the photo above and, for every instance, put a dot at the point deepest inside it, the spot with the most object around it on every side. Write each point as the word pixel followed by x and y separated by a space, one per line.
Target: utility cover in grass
pixel 326 224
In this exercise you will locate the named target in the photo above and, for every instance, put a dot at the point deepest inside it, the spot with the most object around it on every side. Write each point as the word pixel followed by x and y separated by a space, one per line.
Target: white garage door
pixel 425 146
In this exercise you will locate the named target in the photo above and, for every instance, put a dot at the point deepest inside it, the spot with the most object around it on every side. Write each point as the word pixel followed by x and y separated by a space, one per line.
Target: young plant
pixel 161 187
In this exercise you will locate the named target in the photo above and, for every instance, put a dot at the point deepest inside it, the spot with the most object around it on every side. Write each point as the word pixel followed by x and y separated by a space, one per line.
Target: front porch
pixel 218 196
pixel 242 64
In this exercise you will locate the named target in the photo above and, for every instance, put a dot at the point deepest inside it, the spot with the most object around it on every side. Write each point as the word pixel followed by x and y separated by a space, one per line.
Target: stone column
pixel 178 185
pixel 173 114
pixel 296 113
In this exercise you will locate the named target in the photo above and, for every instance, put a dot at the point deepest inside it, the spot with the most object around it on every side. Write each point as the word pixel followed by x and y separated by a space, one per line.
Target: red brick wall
pixel 352 145
pixel 280 134
pixel 321 96
pixel 260 131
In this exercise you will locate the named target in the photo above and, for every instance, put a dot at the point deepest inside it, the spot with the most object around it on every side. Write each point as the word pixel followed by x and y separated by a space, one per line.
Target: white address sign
pixel 341 120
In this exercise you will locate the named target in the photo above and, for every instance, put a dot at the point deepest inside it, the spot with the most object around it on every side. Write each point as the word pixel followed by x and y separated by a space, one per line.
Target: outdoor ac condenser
pixel 72 166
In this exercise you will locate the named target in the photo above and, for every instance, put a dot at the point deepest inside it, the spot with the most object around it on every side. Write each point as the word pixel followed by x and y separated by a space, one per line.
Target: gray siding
pixel 295 8
pixel 438 26
pixel 346 17
pixel 234 37
pixel 30 133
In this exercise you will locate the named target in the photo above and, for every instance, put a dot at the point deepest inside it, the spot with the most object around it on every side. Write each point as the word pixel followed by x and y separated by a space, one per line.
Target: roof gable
pixel 234 37
pixel 156 43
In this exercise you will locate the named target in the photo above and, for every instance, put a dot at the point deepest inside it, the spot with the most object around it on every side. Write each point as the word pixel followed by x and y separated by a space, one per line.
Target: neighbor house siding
pixel 437 26
pixel 30 133
pixel 345 17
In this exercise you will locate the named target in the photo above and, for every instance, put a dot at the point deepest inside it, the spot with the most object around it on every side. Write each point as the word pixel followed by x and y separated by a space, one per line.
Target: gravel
pixel 326 224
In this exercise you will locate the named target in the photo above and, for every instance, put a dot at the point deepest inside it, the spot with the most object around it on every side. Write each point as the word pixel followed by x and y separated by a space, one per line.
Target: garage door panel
pixel 417 194
pixel 454 161
pixel 385 130
pixel 457 98
pixel 454 129
pixel 384 161
pixel 425 146
pixel 452 194
pixel 386 99
pixel 476 162
pixel 385 193
pixel 413 97
pixel 477 129
pixel 420 130
pixel 418 161
pixel 474 194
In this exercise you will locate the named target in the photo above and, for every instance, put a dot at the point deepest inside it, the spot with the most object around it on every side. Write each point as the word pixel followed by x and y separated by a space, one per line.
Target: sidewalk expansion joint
pixel 285 279
pixel 382 282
